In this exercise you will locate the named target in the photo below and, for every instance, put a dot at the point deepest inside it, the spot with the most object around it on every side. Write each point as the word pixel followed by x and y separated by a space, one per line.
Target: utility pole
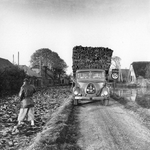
pixel 41 65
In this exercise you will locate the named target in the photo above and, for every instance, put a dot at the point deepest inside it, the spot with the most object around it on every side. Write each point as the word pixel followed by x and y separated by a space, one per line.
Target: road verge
pixel 143 113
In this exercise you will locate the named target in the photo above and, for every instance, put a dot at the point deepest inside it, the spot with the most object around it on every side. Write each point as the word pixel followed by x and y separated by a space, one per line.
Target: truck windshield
pixel 91 75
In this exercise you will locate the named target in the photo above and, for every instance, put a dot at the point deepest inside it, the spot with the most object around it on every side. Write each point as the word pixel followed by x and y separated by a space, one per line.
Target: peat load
pixel 91 58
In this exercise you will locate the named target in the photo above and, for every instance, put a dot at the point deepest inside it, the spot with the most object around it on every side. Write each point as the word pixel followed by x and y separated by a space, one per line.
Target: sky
pixel 29 25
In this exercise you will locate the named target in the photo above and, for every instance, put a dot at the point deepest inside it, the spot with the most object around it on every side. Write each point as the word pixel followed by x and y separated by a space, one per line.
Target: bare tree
pixel 115 63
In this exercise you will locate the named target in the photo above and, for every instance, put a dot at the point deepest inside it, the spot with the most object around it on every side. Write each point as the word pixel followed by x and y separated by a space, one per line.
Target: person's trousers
pixel 29 112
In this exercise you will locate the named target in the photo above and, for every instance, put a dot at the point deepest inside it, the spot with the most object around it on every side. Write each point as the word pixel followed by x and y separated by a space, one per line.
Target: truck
pixel 90 71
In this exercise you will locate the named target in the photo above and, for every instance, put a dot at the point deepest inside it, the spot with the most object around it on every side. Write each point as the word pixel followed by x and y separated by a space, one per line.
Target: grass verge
pixel 143 113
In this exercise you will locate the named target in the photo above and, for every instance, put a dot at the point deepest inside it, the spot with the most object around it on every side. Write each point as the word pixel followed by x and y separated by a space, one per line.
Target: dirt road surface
pixel 110 128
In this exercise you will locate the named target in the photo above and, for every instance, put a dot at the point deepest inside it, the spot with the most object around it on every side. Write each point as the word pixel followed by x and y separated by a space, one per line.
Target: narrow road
pixel 110 128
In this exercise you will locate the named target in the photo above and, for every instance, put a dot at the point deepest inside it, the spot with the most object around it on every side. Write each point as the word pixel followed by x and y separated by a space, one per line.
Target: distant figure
pixel 27 103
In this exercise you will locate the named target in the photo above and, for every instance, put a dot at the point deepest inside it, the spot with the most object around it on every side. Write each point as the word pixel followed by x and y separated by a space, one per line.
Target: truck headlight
pixel 76 91
pixel 104 93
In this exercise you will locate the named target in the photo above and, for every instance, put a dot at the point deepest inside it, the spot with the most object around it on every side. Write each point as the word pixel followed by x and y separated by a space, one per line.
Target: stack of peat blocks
pixel 91 58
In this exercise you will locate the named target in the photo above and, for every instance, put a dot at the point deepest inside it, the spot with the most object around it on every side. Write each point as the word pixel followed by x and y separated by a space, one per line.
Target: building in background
pixel 35 78
pixel 139 73
pixel 125 73
pixel 46 74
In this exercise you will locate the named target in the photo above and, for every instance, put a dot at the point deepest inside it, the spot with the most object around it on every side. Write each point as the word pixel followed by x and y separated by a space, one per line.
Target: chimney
pixel 18 58
pixel 13 59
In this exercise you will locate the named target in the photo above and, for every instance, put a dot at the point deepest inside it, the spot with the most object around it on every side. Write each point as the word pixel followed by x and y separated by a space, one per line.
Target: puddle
pixel 139 95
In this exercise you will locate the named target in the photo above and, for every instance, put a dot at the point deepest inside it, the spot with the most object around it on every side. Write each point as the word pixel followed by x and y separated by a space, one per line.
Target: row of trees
pixel 50 59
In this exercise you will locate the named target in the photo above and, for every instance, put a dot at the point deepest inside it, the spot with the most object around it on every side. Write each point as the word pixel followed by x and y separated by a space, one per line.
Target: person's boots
pixel 15 130
pixel 32 122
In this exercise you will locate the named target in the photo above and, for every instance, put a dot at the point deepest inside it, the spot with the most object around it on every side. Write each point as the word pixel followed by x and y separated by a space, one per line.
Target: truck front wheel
pixel 75 102
pixel 106 102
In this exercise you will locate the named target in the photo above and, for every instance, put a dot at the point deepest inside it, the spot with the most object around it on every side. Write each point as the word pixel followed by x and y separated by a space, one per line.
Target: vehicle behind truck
pixel 90 71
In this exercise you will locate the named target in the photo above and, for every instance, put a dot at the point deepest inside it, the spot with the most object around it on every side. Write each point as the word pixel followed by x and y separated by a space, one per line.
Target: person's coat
pixel 25 94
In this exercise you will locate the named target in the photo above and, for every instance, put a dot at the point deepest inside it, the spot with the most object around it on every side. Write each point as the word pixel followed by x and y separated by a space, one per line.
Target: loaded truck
pixel 90 71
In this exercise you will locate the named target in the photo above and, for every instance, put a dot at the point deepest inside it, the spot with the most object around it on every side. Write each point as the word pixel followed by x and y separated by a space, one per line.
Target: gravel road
pixel 110 128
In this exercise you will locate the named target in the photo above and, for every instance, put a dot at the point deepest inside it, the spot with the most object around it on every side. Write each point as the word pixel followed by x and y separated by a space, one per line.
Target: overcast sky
pixel 121 25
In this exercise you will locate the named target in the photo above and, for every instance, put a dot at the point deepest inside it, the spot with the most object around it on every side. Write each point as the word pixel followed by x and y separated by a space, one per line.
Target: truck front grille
pixel 90 89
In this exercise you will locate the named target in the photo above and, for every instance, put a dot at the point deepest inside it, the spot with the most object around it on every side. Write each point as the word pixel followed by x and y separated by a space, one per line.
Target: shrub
pixel 11 79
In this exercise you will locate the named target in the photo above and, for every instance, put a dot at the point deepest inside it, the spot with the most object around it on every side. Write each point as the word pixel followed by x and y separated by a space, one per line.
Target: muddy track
pixel 110 128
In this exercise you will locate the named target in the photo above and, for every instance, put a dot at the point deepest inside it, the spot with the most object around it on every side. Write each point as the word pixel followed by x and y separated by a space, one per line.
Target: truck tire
pixel 106 102
pixel 75 102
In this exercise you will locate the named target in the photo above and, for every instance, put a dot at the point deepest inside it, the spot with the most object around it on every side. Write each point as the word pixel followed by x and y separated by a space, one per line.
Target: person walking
pixel 27 103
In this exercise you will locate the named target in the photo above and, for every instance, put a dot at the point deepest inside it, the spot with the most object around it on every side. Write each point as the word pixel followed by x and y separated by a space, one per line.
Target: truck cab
pixel 91 85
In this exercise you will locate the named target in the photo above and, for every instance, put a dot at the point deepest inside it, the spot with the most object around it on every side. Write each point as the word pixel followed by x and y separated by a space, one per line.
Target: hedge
pixel 11 79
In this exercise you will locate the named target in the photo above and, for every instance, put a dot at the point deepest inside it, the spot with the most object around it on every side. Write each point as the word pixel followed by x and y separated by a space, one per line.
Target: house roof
pixel 35 67
pixel 4 63
pixel 28 71
pixel 140 68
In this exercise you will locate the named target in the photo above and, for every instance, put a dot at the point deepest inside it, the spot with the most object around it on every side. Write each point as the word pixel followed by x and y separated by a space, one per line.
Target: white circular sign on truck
pixel 114 75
